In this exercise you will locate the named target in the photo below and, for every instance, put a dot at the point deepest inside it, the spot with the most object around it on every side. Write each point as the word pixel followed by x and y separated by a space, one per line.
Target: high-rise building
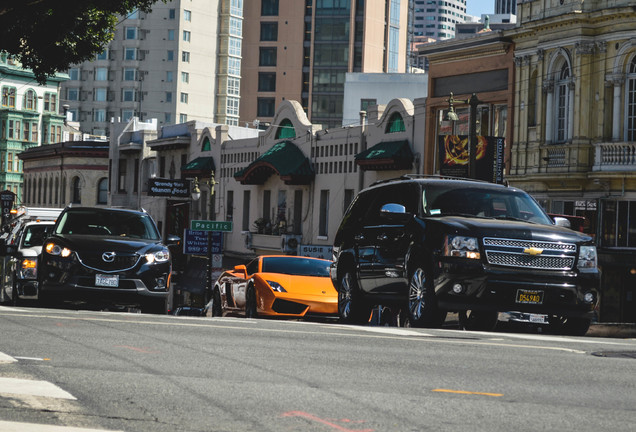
pixel 437 18
pixel 302 51
pixel 179 62
pixel 506 7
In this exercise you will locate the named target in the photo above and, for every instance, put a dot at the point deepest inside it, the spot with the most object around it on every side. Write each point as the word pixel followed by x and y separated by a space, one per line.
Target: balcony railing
pixel 615 156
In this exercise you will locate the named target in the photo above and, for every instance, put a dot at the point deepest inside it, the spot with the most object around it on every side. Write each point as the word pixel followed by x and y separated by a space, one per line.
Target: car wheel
pixel 250 303
pixel 422 310
pixel 478 320
pixel 570 326
pixel 216 304
pixel 352 308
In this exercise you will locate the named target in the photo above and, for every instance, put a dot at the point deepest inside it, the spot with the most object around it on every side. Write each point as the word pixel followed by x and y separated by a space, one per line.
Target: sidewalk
pixel 612 330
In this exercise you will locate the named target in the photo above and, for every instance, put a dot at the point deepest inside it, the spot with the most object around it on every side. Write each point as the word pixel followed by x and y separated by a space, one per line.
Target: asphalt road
pixel 133 372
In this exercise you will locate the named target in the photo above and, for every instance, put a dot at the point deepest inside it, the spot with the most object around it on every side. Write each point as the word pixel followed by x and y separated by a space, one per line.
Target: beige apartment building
pixel 180 62
pixel 295 50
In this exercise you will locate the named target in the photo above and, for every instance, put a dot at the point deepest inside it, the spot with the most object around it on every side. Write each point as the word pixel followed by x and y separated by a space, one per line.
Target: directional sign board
pixel 196 242
pixel 206 225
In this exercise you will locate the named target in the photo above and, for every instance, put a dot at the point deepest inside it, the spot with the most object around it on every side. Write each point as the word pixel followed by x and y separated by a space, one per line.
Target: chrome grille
pixel 530 261
pixel 121 262
pixel 512 253
pixel 528 244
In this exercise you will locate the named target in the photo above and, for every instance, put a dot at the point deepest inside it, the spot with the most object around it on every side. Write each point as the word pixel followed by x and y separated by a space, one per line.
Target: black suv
pixel 106 255
pixel 432 245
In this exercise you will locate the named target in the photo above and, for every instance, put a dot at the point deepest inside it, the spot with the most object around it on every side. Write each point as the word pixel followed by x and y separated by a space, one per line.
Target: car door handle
pixel 359 237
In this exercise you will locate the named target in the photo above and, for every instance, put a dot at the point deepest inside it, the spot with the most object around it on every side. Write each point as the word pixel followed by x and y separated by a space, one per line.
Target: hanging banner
pixel 454 157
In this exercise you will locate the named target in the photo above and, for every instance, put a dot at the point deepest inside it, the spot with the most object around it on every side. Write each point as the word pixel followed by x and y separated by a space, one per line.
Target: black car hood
pixel 105 244
pixel 488 227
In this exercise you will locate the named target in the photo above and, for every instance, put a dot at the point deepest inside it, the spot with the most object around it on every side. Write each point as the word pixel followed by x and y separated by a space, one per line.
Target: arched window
pixel 57 189
pixel 396 124
pixel 532 99
pixel 631 101
pixel 102 191
pixel 562 103
pixel 206 144
pixel 30 101
pixel 44 190
pixel 76 191
pixel 285 130
pixel 39 191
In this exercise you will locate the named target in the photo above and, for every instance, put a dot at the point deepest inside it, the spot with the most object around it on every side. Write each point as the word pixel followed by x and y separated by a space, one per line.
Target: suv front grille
pixel 121 262
pixel 515 253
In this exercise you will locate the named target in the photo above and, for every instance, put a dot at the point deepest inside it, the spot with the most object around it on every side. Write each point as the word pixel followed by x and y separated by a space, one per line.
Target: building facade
pixel 437 18
pixel 177 63
pixel 302 51
pixel 575 131
pixel 29 116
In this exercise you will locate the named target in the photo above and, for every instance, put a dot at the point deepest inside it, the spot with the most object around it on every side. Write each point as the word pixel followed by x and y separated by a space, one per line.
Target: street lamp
pixel 196 192
pixel 473 101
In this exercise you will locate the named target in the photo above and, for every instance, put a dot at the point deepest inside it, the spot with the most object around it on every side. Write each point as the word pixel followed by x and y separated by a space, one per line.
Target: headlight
pixel 28 269
pixel 463 247
pixel 587 258
pixel 159 256
pixel 276 286
pixel 55 249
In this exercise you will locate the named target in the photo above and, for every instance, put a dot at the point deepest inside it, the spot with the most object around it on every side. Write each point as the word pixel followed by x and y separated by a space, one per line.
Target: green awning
pixel 200 167
pixel 390 155
pixel 284 159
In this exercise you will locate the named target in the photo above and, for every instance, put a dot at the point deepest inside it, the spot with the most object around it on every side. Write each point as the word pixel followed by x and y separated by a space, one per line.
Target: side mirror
pixel 172 240
pixel 562 222
pixel 395 212
pixel 241 269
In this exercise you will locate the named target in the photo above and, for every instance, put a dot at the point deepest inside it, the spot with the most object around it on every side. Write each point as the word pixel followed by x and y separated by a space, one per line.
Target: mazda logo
pixel 108 257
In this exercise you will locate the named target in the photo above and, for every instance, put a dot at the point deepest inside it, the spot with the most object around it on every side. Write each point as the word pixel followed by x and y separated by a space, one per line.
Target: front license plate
pixel 529 296
pixel 111 281
pixel 539 319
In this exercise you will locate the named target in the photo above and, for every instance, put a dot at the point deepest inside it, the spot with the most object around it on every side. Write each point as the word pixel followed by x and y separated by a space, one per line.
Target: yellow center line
pixel 468 392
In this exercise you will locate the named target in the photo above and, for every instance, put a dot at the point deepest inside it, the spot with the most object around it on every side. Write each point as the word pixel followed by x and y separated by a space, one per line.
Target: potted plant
pixel 260 225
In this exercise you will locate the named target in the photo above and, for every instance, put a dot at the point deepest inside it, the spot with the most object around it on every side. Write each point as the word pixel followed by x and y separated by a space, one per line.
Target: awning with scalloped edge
pixel 200 167
pixel 284 159
pixel 390 155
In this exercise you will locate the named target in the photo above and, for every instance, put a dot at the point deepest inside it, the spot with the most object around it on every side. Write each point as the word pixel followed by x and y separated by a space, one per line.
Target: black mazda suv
pixel 104 255
pixel 429 246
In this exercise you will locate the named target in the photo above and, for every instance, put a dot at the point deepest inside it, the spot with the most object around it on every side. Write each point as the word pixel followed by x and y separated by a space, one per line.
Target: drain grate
pixel 615 354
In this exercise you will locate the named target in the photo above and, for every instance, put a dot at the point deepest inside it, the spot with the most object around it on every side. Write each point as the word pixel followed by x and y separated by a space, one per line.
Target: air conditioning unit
pixel 290 242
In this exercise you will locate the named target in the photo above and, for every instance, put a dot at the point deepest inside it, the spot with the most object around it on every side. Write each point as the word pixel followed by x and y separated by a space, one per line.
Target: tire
pixel 352 309
pixel 570 326
pixel 478 320
pixel 216 304
pixel 421 307
pixel 251 310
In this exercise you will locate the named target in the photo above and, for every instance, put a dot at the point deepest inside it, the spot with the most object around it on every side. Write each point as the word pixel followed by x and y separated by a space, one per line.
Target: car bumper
pixel 492 289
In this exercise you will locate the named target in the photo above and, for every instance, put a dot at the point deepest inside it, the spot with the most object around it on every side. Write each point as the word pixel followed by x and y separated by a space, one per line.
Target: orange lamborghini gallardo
pixel 276 286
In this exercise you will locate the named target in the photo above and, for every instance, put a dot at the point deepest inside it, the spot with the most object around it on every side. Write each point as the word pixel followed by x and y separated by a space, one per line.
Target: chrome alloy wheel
pixel 344 296
pixel 417 294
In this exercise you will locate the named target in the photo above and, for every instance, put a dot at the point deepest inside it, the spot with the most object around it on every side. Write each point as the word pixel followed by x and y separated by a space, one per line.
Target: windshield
pixel 103 222
pixel 33 235
pixel 297 266
pixel 502 203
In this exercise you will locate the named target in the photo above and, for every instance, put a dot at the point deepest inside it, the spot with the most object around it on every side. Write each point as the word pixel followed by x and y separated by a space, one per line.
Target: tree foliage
pixel 47 36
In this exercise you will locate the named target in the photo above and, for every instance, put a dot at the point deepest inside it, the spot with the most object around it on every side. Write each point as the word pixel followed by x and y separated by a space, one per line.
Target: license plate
pixel 537 318
pixel 111 281
pixel 529 296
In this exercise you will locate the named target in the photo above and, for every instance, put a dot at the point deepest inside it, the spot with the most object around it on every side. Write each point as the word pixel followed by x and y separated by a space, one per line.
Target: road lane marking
pixel 468 392
pixel 16 386
pixel 33 358
pixel 6 358
pixel 322 421
pixel 7 426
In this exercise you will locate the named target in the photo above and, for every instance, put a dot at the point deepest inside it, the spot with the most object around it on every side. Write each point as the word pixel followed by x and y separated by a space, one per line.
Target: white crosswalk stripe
pixel 34 427
pixel 16 386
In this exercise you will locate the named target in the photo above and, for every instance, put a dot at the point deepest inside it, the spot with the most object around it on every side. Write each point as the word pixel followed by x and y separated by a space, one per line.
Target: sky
pixel 479 7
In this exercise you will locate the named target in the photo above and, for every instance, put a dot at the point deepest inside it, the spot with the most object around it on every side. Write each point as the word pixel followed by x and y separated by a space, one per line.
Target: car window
pixel 403 194
pixel 252 267
pixel 296 266
pixel 33 235
pixel 107 223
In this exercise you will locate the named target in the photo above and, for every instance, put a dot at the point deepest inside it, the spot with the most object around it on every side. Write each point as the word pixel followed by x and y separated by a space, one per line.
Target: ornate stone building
pixel 574 139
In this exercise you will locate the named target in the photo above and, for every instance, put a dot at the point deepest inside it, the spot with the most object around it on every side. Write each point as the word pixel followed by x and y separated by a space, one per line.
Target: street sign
pixel 196 242
pixel 206 225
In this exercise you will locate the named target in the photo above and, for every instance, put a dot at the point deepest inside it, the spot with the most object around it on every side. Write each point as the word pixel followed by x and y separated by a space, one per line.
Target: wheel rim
pixel 344 296
pixel 417 294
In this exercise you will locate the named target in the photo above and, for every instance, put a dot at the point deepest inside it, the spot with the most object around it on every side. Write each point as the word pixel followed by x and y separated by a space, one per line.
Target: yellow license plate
pixel 529 296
